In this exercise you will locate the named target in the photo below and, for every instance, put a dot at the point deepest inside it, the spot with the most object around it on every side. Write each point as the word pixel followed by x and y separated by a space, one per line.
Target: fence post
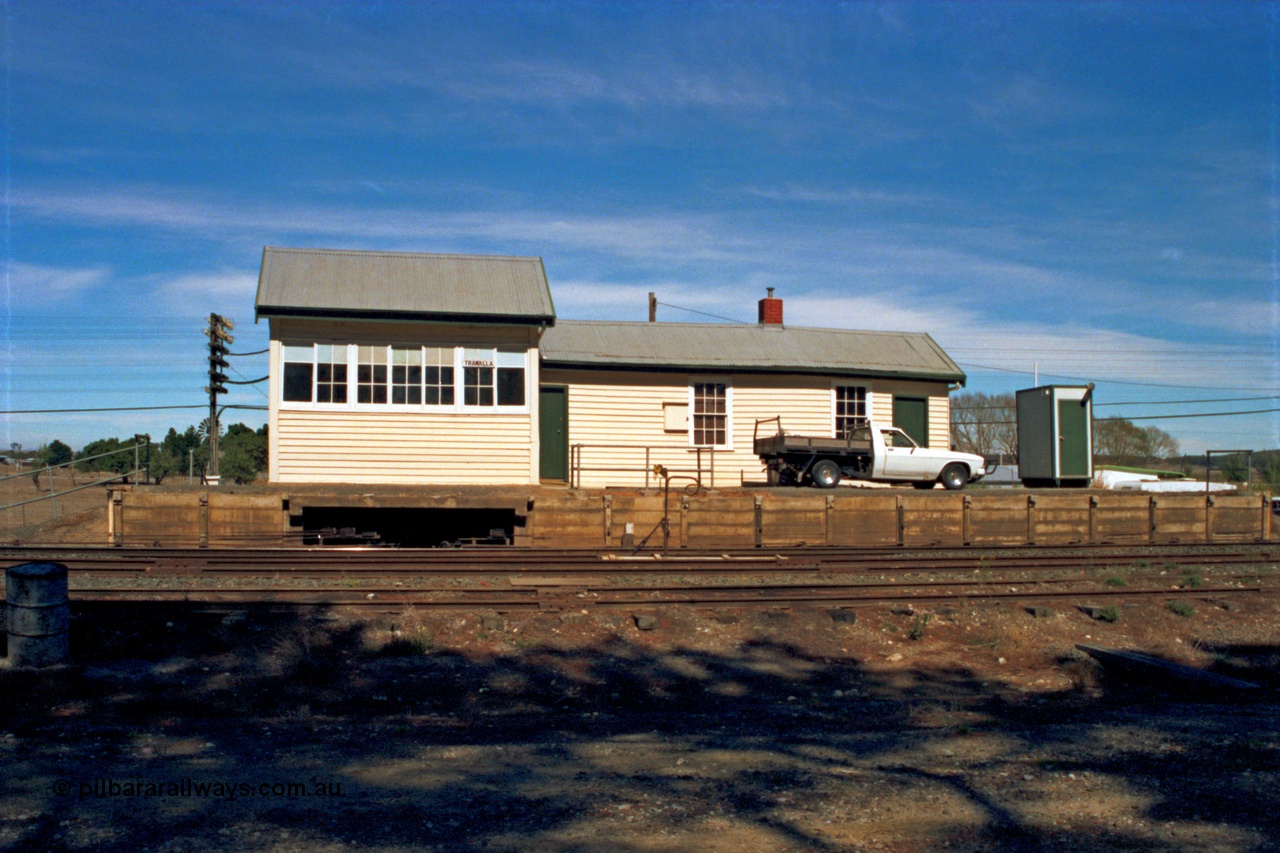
pixel 608 521
pixel 902 522
pixel 829 532
pixel 1093 521
pixel 759 519
pixel 204 520
pixel 684 521
pixel 1031 519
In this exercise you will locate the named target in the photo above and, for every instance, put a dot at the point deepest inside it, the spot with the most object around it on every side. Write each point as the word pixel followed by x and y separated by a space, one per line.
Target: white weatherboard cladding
pixel 612 408
pixel 938 401
pixel 401 447
pixel 312 443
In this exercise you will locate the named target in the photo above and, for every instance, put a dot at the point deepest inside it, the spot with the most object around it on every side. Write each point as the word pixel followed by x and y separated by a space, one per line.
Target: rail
pixel 577 468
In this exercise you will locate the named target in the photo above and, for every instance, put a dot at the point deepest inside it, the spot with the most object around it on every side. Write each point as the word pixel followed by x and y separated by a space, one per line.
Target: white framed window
pixel 400 376
pixel 406 376
pixel 371 375
pixel 710 413
pixel 437 375
pixel 851 408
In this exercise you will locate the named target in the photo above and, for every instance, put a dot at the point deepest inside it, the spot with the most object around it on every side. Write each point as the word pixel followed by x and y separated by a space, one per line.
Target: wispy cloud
pixel 200 293
pixel 36 285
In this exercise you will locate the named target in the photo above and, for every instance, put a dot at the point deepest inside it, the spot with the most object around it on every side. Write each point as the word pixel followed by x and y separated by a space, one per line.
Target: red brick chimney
pixel 770 310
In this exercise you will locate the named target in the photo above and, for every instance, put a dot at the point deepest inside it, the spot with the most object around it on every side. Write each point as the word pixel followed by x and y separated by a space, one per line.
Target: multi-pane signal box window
pixel 409 376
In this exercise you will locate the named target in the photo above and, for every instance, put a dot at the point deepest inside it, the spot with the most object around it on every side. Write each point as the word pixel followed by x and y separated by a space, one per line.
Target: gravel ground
pixel 182 727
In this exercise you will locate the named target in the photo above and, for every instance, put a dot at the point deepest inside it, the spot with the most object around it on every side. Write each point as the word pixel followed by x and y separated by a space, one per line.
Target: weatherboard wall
pixel 345 443
pixel 620 421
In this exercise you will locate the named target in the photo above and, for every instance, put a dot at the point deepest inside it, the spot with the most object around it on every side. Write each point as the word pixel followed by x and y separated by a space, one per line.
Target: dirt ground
pixel 181 727
pixel 72 516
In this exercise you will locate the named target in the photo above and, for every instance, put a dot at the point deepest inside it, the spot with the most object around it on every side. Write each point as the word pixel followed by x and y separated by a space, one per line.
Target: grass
pixel 1181 608
pixel 918 626
pixel 1116 580
pixel 1109 614
pixel 403 647
pixel 1192 581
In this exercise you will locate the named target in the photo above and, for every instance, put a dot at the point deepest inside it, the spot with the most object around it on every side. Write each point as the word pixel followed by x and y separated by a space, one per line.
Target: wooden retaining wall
pixel 771 519
pixel 739 518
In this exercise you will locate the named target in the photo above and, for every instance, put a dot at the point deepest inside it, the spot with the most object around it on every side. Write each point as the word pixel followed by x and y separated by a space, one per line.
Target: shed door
pixel 553 432
pixel 911 415
pixel 1073 439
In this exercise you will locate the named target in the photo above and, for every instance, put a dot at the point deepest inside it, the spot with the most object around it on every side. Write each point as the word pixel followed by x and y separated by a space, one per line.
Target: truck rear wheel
pixel 954 476
pixel 825 474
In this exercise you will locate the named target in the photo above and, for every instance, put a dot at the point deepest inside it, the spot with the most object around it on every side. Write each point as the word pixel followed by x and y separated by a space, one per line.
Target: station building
pixel 431 369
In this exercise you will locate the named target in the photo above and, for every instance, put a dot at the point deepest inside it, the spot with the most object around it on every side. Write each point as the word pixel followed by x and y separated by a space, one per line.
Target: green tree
pixel 55 453
pixel 243 453
pixel 116 463
pixel 1269 468
pixel 177 454
pixel 1233 468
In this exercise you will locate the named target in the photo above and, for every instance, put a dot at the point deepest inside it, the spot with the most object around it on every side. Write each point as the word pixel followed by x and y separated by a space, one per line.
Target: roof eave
pixel 404 316
pixel 874 373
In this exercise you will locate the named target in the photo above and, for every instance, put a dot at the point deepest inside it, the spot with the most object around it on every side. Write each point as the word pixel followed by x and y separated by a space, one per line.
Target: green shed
pixel 1055 436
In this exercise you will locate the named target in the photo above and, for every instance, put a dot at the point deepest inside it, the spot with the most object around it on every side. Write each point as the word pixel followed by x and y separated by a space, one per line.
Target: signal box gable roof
pixel 746 348
pixel 403 285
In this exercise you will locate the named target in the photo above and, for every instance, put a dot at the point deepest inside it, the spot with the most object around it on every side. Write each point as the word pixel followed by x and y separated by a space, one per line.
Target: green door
pixel 553 432
pixel 1073 439
pixel 911 415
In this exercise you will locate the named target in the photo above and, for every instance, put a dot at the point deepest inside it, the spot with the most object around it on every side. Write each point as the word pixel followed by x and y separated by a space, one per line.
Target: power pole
pixel 218 340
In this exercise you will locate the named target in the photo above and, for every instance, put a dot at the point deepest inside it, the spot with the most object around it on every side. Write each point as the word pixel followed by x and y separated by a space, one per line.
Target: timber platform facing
pixel 748 517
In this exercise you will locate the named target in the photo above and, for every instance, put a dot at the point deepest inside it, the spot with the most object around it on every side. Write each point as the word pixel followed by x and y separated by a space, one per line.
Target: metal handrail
pixel 576 468
pixel 53 492
pixel 75 461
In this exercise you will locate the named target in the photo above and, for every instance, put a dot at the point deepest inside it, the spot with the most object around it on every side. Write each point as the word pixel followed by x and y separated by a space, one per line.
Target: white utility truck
pixel 877 453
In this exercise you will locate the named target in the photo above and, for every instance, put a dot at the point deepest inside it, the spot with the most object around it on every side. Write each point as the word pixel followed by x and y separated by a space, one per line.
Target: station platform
pixel 558 517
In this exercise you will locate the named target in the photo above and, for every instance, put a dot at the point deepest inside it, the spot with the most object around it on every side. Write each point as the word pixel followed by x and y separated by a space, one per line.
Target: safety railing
pixel 141 458
pixel 644 456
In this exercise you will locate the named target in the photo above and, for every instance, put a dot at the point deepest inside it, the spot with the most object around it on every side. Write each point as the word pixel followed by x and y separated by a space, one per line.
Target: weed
pixel 890 628
pixel 403 647
pixel 1182 608
pixel 918 626
pixel 1108 614
pixel 1116 580
pixel 1193 581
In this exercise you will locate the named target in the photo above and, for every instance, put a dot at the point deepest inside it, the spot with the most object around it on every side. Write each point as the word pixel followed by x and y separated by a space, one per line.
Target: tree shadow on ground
pixel 614 746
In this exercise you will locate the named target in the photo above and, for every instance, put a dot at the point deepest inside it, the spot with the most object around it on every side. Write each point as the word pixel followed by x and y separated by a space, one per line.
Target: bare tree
pixel 1122 442
pixel 985 424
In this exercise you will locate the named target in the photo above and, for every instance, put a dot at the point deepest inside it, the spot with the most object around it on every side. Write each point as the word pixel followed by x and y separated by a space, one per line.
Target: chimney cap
pixel 769 292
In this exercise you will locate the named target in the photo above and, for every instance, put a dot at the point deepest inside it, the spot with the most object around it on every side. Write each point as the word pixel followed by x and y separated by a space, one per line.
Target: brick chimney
pixel 770 310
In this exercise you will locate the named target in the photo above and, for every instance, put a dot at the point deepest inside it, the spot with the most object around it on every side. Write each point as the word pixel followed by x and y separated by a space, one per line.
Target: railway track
pixel 514 579
pixel 394 561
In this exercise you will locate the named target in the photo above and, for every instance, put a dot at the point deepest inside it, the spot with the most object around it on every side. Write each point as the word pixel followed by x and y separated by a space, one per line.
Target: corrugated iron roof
pixel 408 285
pixel 765 348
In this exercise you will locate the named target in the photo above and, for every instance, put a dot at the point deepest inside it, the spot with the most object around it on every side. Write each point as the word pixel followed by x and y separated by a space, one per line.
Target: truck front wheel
pixel 954 476
pixel 825 474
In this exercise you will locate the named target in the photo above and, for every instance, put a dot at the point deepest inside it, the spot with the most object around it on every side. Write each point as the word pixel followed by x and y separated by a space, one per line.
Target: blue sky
pixel 1087 188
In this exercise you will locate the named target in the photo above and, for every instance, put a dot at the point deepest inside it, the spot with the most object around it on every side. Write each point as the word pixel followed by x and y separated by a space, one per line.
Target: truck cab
pixel 871 452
